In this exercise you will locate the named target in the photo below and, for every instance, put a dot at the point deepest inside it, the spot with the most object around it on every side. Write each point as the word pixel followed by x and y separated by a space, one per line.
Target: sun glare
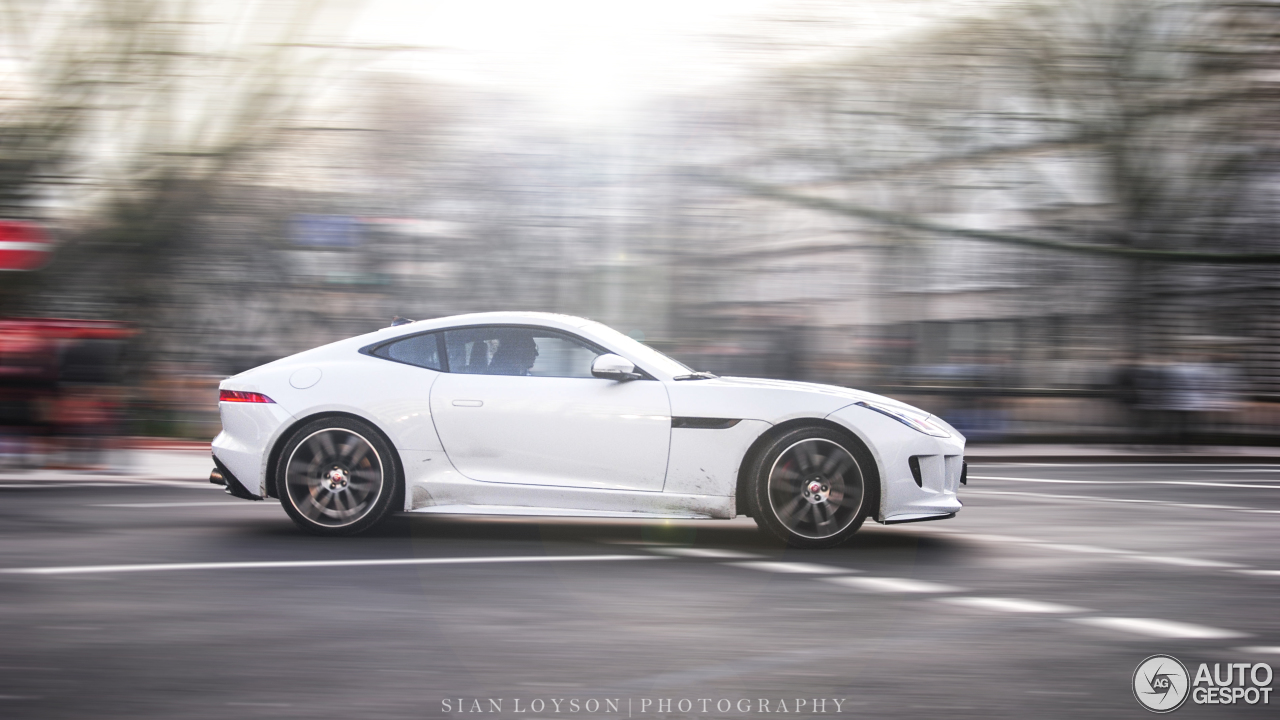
pixel 584 59
pixel 590 60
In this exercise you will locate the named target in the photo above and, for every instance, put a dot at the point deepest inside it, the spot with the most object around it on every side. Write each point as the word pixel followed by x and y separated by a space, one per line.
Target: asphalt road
pixel 151 600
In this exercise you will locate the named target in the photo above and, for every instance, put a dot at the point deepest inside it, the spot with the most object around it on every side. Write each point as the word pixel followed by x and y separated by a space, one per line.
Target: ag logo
pixel 1160 683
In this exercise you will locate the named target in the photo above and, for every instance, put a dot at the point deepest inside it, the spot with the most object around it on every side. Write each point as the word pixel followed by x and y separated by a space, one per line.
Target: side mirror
pixel 614 367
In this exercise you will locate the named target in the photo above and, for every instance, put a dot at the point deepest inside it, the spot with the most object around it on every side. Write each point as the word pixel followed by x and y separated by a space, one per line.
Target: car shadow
pixel 479 534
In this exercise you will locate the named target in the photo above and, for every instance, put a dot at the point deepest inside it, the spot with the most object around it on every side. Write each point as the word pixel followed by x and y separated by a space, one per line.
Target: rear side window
pixel 420 350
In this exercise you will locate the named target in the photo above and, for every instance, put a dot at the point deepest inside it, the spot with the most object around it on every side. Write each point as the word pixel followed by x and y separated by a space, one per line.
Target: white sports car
pixel 541 414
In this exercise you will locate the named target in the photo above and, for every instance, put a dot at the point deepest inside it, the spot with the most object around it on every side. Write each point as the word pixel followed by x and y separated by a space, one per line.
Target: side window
pixel 469 350
pixel 518 351
pixel 420 350
pixel 560 356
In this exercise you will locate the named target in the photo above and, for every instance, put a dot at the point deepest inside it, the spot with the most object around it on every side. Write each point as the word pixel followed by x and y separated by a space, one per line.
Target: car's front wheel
pixel 337 476
pixel 812 487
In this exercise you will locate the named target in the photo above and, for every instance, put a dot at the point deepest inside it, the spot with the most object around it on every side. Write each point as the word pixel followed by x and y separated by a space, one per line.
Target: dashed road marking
pixel 1010 605
pixel 372 562
pixel 1240 467
pixel 1149 627
pixel 1071 547
pixel 1260 649
pixel 795 568
pixel 1135 501
pixel 1185 561
pixel 711 553
pixel 1158 628
pixel 893 585
pixel 1133 555
pixel 1064 481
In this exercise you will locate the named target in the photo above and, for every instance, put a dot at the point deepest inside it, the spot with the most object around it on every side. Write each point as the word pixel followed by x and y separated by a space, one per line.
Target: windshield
pixel 638 351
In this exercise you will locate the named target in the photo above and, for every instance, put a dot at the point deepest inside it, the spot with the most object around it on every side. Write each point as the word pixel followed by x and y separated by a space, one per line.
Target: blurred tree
pixel 1139 129
pixel 125 118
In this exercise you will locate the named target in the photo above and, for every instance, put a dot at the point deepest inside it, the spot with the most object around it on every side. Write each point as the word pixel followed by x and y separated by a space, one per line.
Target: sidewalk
pixel 146 458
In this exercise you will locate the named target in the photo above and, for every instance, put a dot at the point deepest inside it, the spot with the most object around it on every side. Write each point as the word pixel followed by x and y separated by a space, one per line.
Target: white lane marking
pixel 1260 649
pixel 1236 467
pixel 1196 483
pixel 892 585
pixel 1141 626
pixel 1069 547
pixel 1158 628
pixel 714 553
pixel 1260 573
pixel 1039 480
pixel 167 567
pixel 64 483
pixel 797 568
pixel 1086 498
pixel 28 486
pixel 1093 549
pixel 1094 498
pixel 1010 605
pixel 1185 561
pixel 980 537
pixel 1199 483
pixel 237 503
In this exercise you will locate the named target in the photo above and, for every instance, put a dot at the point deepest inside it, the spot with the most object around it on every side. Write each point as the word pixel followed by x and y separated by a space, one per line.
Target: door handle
pixel 468 403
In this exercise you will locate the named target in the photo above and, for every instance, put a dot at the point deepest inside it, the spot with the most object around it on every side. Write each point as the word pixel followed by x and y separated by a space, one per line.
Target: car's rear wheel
pixel 813 487
pixel 337 476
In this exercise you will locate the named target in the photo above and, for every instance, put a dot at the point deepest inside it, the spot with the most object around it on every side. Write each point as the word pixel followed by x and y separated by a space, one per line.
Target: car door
pixel 519 405
pixel 399 395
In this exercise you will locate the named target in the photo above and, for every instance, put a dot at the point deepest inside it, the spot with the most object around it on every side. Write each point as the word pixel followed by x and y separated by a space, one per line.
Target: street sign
pixel 23 246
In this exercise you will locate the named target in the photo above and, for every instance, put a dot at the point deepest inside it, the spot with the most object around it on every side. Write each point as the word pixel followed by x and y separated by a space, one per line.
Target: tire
pixel 338 476
pixel 812 487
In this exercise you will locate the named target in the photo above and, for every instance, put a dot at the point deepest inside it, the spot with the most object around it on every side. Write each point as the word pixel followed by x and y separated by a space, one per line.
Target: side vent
pixel 704 423
pixel 914 462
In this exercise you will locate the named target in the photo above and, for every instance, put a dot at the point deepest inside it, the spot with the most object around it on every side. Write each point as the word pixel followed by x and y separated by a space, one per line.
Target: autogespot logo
pixel 1160 683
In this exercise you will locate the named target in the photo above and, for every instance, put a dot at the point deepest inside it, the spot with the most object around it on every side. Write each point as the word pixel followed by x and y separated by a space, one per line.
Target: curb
pixel 145 443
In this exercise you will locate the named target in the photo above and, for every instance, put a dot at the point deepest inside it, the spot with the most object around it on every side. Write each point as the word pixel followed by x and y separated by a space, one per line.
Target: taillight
pixel 239 396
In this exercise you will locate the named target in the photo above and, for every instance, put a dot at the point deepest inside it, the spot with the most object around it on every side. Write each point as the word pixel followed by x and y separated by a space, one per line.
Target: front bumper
pixel 920 475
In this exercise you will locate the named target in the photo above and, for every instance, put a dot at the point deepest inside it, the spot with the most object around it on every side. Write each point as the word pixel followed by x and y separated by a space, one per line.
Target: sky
pixel 592 59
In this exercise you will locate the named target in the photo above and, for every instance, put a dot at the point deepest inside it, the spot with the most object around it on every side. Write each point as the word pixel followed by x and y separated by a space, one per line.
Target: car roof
pixel 498 318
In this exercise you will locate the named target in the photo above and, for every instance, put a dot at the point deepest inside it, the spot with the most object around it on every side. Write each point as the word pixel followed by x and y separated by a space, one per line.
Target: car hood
pixel 834 391
pixel 771 400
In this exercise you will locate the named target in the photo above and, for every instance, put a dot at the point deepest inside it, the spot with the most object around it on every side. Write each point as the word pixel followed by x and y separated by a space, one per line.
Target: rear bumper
pixel 233 486
pixel 248 432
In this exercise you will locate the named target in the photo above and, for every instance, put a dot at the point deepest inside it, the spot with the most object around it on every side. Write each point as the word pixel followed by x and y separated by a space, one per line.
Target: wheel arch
pixel 273 457
pixel 742 490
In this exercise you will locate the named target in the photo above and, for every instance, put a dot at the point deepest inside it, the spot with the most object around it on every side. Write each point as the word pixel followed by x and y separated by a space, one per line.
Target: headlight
pixel 912 418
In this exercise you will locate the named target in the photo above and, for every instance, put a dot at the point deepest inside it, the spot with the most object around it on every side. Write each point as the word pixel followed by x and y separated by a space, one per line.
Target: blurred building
pixel 961 128
pixel 773 227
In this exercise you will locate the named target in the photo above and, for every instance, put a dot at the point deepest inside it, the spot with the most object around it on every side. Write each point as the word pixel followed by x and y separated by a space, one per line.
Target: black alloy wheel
pixel 813 487
pixel 337 476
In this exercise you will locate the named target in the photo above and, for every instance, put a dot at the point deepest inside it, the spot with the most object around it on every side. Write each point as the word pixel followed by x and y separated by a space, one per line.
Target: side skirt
pixel 916 517
pixel 552 512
